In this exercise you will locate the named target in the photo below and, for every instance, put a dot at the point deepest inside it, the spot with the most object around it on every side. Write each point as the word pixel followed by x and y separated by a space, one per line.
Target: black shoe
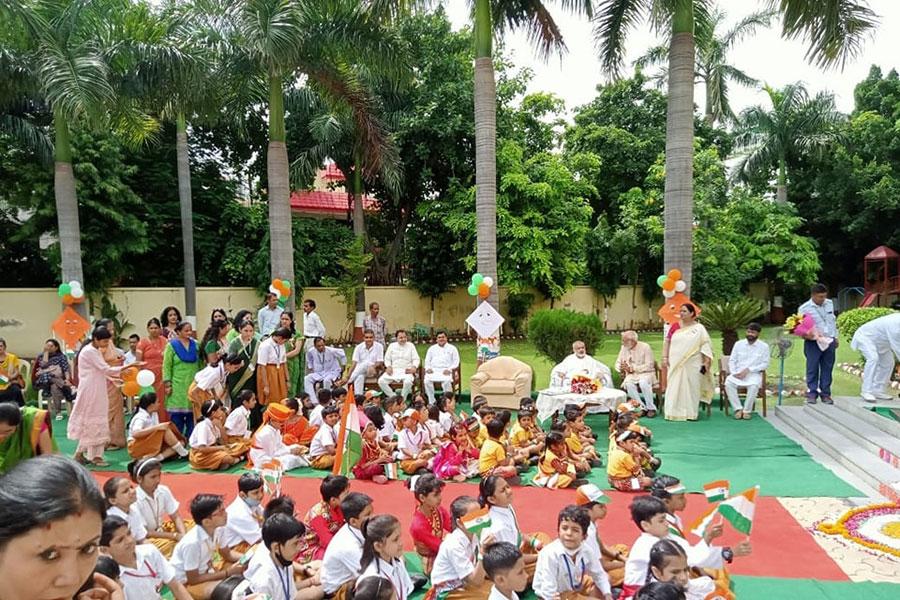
pixel 811 400
pixel 534 460
pixel 596 462
pixel 827 400
pixel 418 580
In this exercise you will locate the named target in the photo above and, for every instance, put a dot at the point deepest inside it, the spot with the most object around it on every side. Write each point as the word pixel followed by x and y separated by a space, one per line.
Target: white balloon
pixel 74 284
pixel 489 281
pixel 680 285
pixel 77 293
pixel 145 378
pixel 275 290
pixel 668 293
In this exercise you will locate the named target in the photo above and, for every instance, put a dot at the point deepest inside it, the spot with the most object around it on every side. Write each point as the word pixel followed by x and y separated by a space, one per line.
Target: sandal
pixel 80 459
pixel 748 416
pixel 99 462
pixel 738 415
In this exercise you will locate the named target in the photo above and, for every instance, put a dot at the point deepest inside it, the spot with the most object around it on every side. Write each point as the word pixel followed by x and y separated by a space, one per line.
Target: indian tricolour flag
pixel 700 526
pixel 476 520
pixel 349 443
pixel 738 510
pixel 716 491
pixel 3 379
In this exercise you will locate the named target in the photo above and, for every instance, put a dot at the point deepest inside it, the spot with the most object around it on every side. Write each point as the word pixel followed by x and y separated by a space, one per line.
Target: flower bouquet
pixel 803 325
pixel 582 384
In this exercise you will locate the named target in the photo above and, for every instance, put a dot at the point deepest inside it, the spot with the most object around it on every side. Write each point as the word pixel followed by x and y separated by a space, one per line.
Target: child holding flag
pixel 458 573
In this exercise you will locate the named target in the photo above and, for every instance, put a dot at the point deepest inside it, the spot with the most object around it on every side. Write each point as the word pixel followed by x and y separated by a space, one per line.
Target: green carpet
pixel 768 588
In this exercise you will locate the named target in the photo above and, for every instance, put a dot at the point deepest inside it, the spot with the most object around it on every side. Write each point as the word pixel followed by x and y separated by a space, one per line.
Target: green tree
pixel 796 124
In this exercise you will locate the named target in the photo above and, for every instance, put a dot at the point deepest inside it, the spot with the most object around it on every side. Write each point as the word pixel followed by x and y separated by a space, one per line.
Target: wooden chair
pixel 723 374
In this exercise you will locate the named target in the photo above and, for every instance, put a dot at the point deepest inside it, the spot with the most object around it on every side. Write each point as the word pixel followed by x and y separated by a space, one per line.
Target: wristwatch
pixel 727 554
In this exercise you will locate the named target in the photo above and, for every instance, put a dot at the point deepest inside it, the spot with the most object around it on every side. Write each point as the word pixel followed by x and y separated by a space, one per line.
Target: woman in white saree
pixel 687 354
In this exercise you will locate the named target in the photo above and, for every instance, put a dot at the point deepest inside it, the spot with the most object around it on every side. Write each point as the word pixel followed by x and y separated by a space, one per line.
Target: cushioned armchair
pixel 503 381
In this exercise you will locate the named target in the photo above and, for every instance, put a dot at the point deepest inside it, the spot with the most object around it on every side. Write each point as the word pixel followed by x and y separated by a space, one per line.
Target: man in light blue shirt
pixel 819 363
pixel 268 319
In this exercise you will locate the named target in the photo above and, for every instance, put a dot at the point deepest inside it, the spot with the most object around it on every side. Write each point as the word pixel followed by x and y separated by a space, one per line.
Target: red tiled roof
pixel 332 173
pixel 326 202
pixel 881 252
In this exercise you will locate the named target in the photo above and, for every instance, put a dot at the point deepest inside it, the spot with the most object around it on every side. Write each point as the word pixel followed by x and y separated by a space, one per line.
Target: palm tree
pixel 797 124
pixel 711 63
pixel 544 32
pixel 286 41
pixel 65 59
pixel 834 30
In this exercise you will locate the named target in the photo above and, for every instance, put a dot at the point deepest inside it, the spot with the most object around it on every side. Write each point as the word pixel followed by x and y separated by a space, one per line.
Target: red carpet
pixel 782 548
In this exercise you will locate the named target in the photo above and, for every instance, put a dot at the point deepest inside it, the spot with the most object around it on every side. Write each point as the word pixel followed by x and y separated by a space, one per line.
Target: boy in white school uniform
pixel 323 447
pixel 243 528
pixel 274 572
pixel 649 514
pixel 564 565
pixel 237 424
pixel 143 570
pixel 340 565
pixel 458 572
pixel 505 567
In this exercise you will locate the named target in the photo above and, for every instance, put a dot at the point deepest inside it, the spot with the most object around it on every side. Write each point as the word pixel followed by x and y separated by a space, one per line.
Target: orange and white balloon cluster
pixel 671 283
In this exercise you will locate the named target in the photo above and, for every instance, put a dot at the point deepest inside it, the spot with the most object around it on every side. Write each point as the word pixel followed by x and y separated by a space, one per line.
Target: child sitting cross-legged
pixel 458 571
pixel 567 568
pixel 268 443
pixel 504 566
pixel 612 558
pixel 273 575
pixel 297 429
pixel 623 471
pixel 554 469
pixel 209 451
pixel 382 554
pixel 580 460
pixel 194 553
pixel 372 459
pixel 340 565
pixel 154 504
pixel 324 518
pixel 580 444
pixel 323 397
pixel 492 458
pixel 496 494
pixel 323 448
pixel 147 437
pixel 485 415
pixel 143 570
pixel 433 424
pixel 431 521
pixel 447 416
pixel 523 438
pixel 120 501
pixel 245 515
pixel 413 444
pixel 237 423
pixel 456 459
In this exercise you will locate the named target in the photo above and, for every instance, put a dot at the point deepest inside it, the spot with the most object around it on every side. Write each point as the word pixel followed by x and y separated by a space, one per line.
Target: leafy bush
pixel 552 332
pixel 517 306
pixel 729 317
pixel 849 321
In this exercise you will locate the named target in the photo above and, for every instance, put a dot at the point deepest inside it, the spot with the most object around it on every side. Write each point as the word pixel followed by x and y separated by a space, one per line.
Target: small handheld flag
pixel 349 442
pixel 716 491
pixel 704 521
pixel 739 509
pixel 476 521
pixel 391 471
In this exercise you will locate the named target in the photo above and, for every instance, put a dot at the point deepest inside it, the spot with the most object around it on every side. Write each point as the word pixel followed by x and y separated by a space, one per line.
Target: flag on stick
pixel 476 520
pixel 739 509
pixel 716 491
pixel 349 443
pixel 704 521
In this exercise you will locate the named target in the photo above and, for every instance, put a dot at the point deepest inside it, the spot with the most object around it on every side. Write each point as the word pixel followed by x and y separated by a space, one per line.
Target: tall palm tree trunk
pixel 679 191
pixel 486 149
pixel 280 232
pixel 781 195
pixel 359 230
pixel 67 209
pixel 187 217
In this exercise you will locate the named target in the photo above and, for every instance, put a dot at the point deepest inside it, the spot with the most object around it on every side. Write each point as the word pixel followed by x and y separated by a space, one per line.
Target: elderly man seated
pixel 401 363
pixel 323 365
pixel 638 368
pixel 749 358
pixel 579 363
pixel 440 362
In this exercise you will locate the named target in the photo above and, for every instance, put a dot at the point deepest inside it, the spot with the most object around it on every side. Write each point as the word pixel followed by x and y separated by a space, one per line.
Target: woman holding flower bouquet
pixel 819 360
pixel 687 355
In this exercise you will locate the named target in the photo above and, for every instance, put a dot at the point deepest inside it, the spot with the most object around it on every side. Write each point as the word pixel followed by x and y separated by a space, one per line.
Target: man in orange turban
pixel 268 443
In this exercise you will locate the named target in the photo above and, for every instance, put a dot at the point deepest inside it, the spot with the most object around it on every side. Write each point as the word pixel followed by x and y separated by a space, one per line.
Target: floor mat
pixel 769 588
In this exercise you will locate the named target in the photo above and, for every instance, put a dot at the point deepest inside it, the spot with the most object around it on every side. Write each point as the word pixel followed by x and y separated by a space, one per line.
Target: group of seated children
pixel 631 464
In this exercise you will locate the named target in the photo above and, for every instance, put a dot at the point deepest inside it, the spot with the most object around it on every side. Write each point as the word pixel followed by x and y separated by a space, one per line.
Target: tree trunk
pixel 486 152
pixel 729 339
pixel 709 116
pixel 679 193
pixel 359 230
pixel 781 183
pixel 280 232
pixel 67 210
pixel 187 218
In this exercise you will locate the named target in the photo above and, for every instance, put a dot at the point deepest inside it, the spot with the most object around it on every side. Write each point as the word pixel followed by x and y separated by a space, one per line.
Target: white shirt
pixel 394 571
pixel 244 524
pixel 315 415
pixel 267 444
pixel 498 595
pixel 882 334
pixel 701 554
pixel 325 436
pixel 389 429
pixel 204 434
pixel 638 563
pixel 154 510
pixel 590 540
pixel 312 325
pixel 446 421
pixel 135 524
pixel 269 578
pixel 211 378
pixel 341 561
pixel 129 358
pixel 238 422
pixel 441 358
pixel 194 552
pixel 754 357
pixel 504 525
pixel 587 365
pixel 270 353
pixel 268 319
pixel 140 421
pixel 561 570
pixel 822 315
pixel 455 561
pixel 399 358
pixel 412 442
pixel 151 572
pixel 363 354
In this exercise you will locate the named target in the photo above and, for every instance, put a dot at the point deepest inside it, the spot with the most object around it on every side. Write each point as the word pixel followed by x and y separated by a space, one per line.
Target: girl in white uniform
pixel 383 554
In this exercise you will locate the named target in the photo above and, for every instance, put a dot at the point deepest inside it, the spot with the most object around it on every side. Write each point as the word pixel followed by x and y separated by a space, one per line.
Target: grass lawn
pixel 794 367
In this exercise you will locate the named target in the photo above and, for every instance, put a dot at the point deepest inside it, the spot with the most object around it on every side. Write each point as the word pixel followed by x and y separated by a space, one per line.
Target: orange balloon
pixel 129 374
pixel 68 300
pixel 674 274
pixel 285 291
pixel 131 388
pixel 484 290
pixel 668 285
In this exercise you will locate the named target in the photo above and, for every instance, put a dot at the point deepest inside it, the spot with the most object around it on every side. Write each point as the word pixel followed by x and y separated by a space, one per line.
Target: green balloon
pixel 477 278
pixel 661 279
pixel 64 289
pixel 286 283
pixel 473 290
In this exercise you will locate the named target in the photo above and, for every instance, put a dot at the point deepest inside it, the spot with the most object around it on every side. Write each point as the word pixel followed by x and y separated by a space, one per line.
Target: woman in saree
pixel 294 346
pixel 24 433
pixel 150 350
pixel 170 318
pixel 687 354
pixel 53 376
pixel 245 346
pixel 181 361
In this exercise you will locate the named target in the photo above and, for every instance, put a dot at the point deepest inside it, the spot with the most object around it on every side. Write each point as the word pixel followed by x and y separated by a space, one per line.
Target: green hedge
pixel 552 332
pixel 849 321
